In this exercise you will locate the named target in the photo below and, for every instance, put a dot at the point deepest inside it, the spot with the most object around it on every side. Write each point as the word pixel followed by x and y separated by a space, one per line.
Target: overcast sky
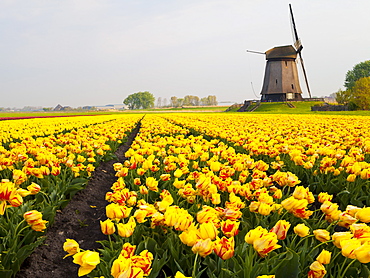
pixel 97 52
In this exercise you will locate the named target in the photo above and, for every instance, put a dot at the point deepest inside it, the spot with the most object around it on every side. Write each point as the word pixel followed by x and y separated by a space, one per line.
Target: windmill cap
pixel 281 52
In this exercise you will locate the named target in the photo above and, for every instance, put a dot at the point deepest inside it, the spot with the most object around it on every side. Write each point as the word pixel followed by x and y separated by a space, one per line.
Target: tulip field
pixel 199 195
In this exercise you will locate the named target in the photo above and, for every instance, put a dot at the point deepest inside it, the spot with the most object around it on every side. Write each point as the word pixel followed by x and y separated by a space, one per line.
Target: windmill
pixel 281 82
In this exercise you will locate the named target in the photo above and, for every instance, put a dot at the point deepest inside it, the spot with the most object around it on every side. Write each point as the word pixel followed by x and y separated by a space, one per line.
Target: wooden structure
pixel 281 82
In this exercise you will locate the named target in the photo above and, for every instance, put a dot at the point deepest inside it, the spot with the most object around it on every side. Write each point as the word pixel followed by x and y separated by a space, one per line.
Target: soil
pixel 79 220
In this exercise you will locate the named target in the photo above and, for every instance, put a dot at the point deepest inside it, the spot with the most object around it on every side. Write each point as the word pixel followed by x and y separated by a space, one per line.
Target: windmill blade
pixel 299 47
pixel 297 41
pixel 305 75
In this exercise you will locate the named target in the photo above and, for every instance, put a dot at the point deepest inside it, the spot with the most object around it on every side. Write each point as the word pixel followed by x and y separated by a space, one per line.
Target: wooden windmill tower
pixel 281 82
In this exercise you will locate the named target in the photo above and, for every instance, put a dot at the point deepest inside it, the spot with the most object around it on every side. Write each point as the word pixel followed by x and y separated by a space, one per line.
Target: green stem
pixel 341 268
pixel 193 275
pixel 110 242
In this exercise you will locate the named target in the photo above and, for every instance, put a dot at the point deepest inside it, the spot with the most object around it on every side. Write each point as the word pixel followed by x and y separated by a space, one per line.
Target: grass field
pixel 303 107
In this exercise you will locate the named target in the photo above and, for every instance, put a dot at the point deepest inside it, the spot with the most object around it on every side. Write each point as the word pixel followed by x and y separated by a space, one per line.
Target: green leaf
pixel 6 273
pixel 289 267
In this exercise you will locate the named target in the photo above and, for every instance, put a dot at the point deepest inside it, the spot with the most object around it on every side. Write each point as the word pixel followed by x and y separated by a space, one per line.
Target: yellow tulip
pixel 363 215
pixel 254 234
pixel 224 247
pixel 71 247
pixel 207 230
pixel 126 230
pixel 321 235
pixel 87 261
pixel 317 270
pixel 362 253
pixel 339 236
pixel 324 257
pixel 203 247
pixel 107 227
pixel 266 244
pixel 301 230
pixel 280 229
pixel 349 246
pixel 189 236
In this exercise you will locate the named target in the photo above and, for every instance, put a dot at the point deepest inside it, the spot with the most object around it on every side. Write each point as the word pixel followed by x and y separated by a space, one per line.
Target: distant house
pixel 58 108
pixel 62 108
pixel 112 107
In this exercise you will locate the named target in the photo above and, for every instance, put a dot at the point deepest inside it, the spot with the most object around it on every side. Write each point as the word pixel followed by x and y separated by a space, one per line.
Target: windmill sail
pixel 299 47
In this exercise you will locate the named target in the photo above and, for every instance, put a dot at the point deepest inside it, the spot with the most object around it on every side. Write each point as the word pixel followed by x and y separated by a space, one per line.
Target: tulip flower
pixel 352 210
pixel 183 222
pixel 317 270
pixel 323 196
pixel 362 253
pixel 339 236
pixel 207 230
pixel 87 261
pixel 280 229
pixel 266 244
pixel 301 230
pixel 224 247
pixel 128 250
pixel 361 231
pixel 363 215
pixel 34 188
pixel 126 230
pixel 34 219
pixel 115 211
pixel 189 236
pixel 321 235
pixel 152 184
pixel 349 246
pixel 178 173
pixel 203 247
pixel 9 194
pixel 324 257
pixel 345 220
pixel 230 228
pixel 71 246
pixel 107 227
pixel 254 234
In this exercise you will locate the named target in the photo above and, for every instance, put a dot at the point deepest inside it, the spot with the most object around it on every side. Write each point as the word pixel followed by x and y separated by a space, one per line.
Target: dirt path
pixel 78 221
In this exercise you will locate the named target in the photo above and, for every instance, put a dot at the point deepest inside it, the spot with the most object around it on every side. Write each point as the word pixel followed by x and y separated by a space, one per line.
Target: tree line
pixel 357 84
pixel 145 100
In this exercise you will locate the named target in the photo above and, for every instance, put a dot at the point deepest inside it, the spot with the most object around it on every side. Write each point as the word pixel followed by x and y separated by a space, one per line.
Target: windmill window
pixel 286 64
pixel 292 86
pixel 276 81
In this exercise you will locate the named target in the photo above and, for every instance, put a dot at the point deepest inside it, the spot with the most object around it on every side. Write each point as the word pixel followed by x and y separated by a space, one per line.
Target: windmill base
pixel 281 97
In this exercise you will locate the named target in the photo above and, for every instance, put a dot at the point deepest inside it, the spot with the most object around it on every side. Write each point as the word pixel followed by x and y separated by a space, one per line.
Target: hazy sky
pixel 97 52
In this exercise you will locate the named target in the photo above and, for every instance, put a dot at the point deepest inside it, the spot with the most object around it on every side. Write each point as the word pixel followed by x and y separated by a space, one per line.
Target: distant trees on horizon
pixel 188 100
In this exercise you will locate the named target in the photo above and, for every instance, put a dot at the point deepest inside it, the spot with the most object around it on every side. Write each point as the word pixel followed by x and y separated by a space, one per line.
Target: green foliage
pixel 342 97
pixel 139 100
pixel 361 93
pixel 360 70
pixel 358 97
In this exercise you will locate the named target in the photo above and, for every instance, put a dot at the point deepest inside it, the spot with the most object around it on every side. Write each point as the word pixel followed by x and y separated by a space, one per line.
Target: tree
pixel 139 100
pixel 159 102
pixel 342 97
pixel 173 101
pixel 360 70
pixel 361 93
